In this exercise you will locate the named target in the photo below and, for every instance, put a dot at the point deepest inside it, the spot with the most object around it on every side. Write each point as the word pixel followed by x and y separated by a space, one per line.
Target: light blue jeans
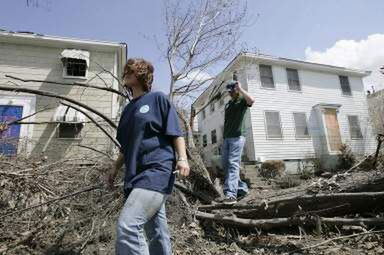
pixel 232 150
pixel 143 211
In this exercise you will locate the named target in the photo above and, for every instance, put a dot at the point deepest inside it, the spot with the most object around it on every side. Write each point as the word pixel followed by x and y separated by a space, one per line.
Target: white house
pixel 302 110
pixel 56 132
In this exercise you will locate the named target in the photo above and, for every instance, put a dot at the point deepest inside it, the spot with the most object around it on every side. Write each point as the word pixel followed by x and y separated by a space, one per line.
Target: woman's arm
pixel 182 162
pixel 115 169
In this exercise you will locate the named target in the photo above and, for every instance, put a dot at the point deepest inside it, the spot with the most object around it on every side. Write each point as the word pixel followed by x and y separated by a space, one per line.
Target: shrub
pixel 272 168
pixel 346 159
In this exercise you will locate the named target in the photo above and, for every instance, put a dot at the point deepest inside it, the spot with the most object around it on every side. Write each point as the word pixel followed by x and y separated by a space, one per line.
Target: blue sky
pixel 287 28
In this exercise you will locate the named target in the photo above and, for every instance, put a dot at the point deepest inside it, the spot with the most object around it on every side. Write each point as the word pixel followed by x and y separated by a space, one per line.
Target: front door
pixel 9 138
pixel 333 130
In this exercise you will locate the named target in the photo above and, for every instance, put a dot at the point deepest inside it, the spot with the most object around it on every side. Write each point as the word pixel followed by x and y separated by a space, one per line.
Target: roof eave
pixel 52 41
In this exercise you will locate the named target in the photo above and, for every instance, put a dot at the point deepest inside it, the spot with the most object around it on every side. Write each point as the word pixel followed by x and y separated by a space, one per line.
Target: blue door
pixel 9 138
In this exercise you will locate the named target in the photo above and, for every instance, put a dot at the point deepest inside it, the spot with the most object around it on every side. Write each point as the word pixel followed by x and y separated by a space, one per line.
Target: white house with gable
pixel 302 110
pixel 56 131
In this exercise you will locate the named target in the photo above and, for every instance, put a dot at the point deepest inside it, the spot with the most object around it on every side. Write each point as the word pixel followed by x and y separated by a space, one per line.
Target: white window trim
pixel 65 76
pixel 294 124
pixel 349 128
pixel 341 88
pixel 273 78
pixel 266 126
pixel 28 102
pixel 300 81
pixel 212 136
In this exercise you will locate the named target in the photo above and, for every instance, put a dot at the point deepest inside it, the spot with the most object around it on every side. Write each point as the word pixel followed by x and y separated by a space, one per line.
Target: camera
pixel 231 85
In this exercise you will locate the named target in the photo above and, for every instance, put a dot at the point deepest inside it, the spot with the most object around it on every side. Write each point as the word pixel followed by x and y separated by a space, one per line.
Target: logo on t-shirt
pixel 144 109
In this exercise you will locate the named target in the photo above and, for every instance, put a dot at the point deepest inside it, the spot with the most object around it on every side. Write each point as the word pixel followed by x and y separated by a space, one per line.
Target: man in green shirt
pixel 234 140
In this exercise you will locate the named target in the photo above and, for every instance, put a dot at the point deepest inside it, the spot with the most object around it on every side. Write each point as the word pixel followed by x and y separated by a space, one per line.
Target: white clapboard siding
pixel 317 87
pixel 44 63
pixel 319 84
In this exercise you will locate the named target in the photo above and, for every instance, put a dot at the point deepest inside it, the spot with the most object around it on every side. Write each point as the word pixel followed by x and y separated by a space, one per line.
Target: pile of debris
pixel 349 201
pixel 63 208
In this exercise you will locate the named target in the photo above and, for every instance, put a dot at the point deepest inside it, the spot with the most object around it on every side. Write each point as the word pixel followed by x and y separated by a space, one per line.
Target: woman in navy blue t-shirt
pixel 150 138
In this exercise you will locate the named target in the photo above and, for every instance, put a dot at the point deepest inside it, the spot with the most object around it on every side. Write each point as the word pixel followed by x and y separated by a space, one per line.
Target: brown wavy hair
pixel 143 71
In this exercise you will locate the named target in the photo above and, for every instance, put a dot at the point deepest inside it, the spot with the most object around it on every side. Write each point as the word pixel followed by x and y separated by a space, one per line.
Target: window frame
pixel 213 136
pixel 304 137
pixel 361 137
pixel 212 107
pixel 79 135
pixel 65 70
pixel 203 114
pixel 261 76
pixel 287 69
pixel 341 86
pixel 266 126
pixel 205 140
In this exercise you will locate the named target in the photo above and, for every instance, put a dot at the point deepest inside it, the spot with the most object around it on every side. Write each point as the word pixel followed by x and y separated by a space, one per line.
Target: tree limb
pixel 96 123
pixel 68 84
pixel 50 94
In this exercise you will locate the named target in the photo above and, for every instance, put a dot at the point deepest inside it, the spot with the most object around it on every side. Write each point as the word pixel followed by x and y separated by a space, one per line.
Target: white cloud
pixel 366 54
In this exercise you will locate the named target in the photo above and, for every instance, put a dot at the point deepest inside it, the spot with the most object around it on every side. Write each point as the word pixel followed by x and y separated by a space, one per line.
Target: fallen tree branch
pixel 184 189
pixel 46 122
pixel 95 150
pixel 50 94
pixel 88 189
pixel 298 199
pixel 361 162
pixel 267 224
pixel 248 223
pixel 30 115
pixel 95 122
pixel 68 84
pixel 338 238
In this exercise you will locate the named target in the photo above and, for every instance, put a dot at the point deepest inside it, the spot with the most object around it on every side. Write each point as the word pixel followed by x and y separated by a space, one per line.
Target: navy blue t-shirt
pixel 146 131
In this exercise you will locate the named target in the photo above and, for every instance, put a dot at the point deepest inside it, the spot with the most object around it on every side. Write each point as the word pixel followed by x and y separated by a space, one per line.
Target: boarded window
pixel 213 136
pixel 266 76
pixel 354 127
pixel 293 79
pixel 205 140
pixel 301 125
pixel 69 130
pixel 75 67
pixel 273 125
pixel 345 87
pixel 333 129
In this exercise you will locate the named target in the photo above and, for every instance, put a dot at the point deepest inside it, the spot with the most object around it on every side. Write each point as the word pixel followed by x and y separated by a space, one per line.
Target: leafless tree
pixel 200 34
